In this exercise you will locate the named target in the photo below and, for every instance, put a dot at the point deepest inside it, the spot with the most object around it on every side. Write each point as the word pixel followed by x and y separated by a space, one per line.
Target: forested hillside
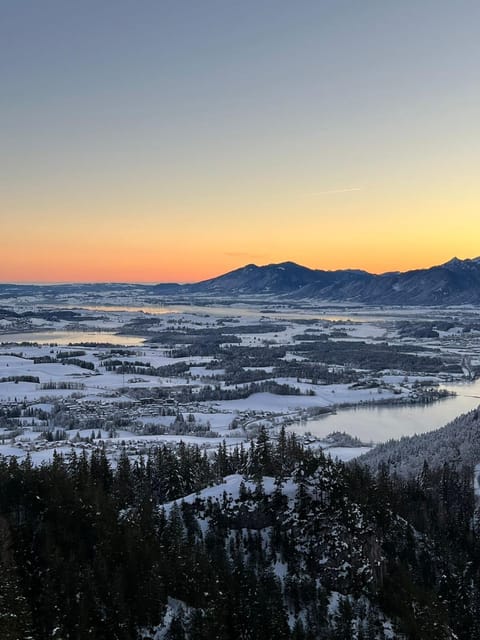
pixel 458 444
pixel 274 542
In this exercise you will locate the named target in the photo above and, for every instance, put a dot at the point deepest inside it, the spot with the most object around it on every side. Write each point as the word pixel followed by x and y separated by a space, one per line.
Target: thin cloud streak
pixel 332 191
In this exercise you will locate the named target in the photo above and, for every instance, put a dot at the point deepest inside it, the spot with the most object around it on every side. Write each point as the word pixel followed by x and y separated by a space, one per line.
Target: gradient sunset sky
pixel 176 140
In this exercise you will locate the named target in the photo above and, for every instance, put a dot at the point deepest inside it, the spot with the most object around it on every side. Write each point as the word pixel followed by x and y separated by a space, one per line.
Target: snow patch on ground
pixel 231 488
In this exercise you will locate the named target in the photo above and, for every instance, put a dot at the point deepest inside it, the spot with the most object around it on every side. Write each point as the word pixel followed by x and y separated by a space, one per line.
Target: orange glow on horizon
pixel 174 271
pixel 174 144
pixel 111 241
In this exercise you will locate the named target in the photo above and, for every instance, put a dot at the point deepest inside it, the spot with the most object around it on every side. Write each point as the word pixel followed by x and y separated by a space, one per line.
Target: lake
pixel 380 423
pixel 70 337
pixel 237 311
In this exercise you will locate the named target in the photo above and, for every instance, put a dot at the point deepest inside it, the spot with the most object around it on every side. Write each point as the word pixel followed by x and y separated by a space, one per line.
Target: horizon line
pixel 52 283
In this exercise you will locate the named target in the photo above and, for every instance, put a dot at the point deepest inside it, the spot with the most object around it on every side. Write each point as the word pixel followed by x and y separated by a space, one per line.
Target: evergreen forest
pixel 274 541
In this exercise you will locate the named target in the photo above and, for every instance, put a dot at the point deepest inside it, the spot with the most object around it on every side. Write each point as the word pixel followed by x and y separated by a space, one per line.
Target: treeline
pixel 315 372
pixel 217 392
pixel 17 379
pixel 237 357
pixel 306 371
pixel 63 355
pixel 84 364
pixel 373 356
pixel 146 369
pixel 62 384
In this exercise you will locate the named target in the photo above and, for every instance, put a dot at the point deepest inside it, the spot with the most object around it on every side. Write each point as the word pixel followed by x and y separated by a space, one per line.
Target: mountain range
pixel 455 282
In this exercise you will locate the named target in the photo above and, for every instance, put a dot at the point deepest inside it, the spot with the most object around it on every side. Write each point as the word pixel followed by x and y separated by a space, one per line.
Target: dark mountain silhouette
pixel 455 282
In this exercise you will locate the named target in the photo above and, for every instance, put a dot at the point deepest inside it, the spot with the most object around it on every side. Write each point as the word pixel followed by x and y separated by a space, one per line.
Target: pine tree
pixel 15 616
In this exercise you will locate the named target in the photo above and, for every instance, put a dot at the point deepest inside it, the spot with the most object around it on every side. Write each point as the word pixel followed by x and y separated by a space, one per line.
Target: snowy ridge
pixel 301 533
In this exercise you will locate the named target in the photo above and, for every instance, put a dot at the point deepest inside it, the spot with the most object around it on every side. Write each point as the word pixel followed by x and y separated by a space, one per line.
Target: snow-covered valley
pixel 79 374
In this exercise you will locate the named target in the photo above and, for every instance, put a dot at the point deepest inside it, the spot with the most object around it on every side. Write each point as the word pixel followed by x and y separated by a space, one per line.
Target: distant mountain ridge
pixel 455 282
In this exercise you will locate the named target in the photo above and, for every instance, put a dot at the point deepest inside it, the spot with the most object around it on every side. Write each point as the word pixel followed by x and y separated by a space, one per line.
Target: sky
pixel 162 140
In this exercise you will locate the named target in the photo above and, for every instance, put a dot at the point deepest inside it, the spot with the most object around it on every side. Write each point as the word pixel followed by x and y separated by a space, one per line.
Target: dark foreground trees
pixel 87 549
